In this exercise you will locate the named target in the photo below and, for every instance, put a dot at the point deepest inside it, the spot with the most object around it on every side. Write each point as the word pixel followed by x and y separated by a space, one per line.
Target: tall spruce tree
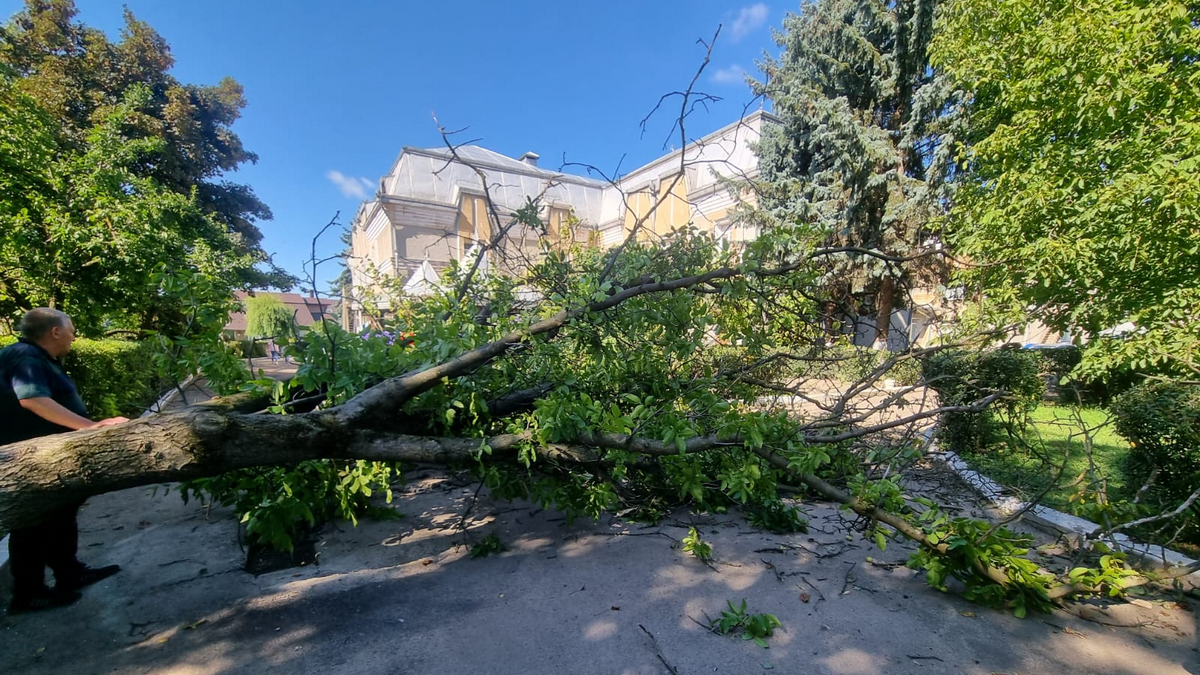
pixel 859 159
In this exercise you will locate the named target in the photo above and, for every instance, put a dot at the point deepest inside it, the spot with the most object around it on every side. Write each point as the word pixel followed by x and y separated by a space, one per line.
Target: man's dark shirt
pixel 28 371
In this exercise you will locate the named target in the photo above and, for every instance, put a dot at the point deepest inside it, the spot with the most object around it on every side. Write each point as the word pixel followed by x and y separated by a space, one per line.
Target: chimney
pixel 530 158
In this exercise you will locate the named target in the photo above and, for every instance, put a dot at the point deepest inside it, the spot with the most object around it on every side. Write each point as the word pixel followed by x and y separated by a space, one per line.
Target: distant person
pixel 273 350
pixel 38 399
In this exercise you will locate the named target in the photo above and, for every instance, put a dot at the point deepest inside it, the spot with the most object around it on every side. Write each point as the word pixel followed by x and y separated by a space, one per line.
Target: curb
pixel 1073 528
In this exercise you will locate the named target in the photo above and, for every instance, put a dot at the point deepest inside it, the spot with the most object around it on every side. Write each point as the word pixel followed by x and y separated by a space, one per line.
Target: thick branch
pixel 517 400
pixel 41 474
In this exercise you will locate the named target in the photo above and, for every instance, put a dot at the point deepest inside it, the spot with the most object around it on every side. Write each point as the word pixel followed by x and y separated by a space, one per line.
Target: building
pixel 306 311
pixel 433 207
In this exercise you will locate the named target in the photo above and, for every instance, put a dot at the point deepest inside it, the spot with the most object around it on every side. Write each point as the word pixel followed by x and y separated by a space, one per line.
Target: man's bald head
pixel 37 323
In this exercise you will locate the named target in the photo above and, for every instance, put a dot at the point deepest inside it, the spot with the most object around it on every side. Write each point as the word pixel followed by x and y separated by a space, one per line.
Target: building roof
pixel 306 309
pixel 432 176
pixel 482 157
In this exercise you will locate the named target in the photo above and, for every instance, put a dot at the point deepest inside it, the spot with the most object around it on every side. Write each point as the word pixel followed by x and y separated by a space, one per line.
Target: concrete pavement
pixel 404 596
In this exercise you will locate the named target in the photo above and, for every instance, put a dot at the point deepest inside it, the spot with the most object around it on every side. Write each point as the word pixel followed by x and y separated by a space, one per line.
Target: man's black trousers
pixel 52 543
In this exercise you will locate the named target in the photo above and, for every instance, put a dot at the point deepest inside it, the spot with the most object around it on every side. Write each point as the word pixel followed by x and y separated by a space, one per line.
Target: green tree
pixel 27 146
pixel 267 316
pixel 1082 206
pixel 83 229
pixel 78 76
pixel 859 158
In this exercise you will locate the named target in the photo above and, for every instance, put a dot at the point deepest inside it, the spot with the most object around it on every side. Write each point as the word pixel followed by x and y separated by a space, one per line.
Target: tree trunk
pixel 884 301
pixel 828 321
pixel 39 474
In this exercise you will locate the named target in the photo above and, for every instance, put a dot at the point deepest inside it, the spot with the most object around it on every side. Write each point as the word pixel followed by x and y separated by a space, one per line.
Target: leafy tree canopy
pixel 267 316
pixel 83 229
pixel 180 134
pixel 1083 201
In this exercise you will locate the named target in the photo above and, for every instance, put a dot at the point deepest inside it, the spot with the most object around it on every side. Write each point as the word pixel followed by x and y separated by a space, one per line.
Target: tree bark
pixel 884 300
pixel 40 474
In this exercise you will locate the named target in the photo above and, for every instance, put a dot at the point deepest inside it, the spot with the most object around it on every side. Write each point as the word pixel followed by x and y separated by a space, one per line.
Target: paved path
pixel 198 389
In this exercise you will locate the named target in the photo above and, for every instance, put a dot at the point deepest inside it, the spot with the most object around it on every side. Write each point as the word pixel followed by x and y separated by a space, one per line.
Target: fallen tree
pixel 231 433
pixel 564 406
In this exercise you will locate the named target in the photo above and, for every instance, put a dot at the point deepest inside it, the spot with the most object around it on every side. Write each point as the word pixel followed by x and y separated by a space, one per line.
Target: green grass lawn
pixel 1053 432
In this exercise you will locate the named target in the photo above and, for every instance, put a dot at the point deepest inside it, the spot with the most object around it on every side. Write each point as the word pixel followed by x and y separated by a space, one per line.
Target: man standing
pixel 38 399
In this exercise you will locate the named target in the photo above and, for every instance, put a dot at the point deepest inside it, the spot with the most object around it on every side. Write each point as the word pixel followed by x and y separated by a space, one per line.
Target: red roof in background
pixel 307 310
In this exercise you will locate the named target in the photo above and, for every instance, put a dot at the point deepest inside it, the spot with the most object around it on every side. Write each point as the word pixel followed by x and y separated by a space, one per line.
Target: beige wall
pixel 675 210
pixel 419 243
pixel 372 244
pixel 474 225
pixel 637 210
pixel 665 208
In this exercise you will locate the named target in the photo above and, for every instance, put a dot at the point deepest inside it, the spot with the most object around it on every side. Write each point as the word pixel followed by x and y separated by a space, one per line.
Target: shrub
pixel 962 377
pixel 243 348
pixel 1102 379
pixel 1059 360
pixel 114 377
pixel 1108 370
pixel 1161 421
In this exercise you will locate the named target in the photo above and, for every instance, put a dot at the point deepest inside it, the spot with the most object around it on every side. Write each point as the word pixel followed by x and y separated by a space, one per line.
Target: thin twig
pixel 820 595
pixel 1099 532
pixel 658 650
pixel 1032 502
pixel 849 579
pixel 462 520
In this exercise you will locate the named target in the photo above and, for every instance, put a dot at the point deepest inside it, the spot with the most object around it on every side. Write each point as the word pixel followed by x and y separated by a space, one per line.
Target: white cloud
pixel 749 19
pixel 734 74
pixel 350 185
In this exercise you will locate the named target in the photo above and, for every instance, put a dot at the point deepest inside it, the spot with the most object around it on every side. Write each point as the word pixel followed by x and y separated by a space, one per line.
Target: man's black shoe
pixel 86 577
pixel 43 599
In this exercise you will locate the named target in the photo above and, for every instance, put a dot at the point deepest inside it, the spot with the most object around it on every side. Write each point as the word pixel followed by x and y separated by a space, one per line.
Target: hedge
pixel 1161 421
pixel 247 348
pixel 963 377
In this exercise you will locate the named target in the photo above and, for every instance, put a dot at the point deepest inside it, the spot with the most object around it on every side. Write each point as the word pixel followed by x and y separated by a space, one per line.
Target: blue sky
pixel 336 89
